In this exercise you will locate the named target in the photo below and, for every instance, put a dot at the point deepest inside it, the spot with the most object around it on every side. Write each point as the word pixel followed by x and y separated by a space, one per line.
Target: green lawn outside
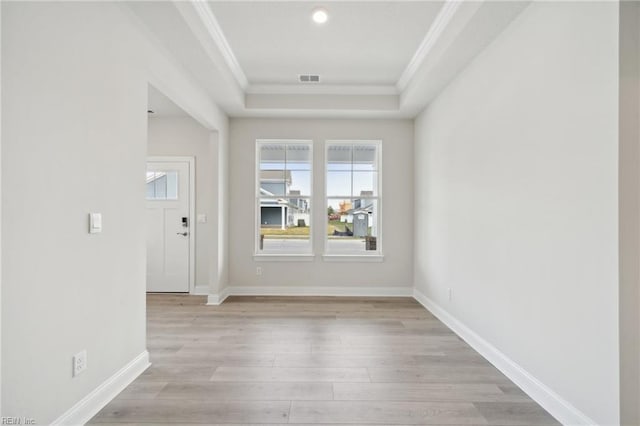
pixel 294 230
pixel 302 232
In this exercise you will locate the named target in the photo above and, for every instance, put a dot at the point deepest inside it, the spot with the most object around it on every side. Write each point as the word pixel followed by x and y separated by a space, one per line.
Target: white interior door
pixel 168 226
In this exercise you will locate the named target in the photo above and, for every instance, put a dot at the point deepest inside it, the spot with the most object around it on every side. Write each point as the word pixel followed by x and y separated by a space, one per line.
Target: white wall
pixel 516 200
pixel 183 136
pixel 629 213
pixel 397 208
pixel 1 210
pixel 74 79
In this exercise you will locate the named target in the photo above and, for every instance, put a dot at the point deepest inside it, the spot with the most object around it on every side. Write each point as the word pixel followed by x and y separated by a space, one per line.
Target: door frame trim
pixel 192 208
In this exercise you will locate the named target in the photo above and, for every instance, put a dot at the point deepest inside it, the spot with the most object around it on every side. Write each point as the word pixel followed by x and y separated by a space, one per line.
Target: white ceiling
pixel 361 44
pixel 376 59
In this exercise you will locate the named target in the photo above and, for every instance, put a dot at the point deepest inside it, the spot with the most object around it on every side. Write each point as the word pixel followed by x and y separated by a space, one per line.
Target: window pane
pixel 162 185
pixel 352 226
pixel 172 185
pixel 339 157
pixel 338 183
pixel 298 169
pixel 272 156
pixel 300 182
pixel 298 157
pixel 272 182
pixel 284 225
pixel 365 184
pixel 151 188
pixel 272 169
pixel 364 157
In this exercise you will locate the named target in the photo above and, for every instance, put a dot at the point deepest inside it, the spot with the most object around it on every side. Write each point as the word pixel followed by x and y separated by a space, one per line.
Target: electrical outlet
pixel 79 362
pixel 449 294
pixel 259 270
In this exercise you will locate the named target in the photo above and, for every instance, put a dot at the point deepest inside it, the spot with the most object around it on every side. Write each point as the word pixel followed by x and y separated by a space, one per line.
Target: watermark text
pixel 17 421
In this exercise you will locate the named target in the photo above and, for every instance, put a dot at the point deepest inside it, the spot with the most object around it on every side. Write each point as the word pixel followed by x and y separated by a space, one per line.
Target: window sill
pixel 353 257
pixel 264 257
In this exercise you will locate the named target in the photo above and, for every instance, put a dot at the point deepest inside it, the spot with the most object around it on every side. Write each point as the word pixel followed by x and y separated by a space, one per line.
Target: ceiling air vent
pixel 309 78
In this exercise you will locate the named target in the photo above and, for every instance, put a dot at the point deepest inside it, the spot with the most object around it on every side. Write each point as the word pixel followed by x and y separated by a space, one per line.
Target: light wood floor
pixel 313 360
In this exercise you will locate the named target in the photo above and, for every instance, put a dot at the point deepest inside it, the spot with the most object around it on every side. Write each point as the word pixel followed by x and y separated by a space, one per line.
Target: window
pixel 353 198
pixel 283 197
pixel 162 185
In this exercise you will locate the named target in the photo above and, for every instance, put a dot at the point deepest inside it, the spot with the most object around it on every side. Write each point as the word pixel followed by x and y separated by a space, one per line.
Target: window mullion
pixel 352 148
pixel 284 171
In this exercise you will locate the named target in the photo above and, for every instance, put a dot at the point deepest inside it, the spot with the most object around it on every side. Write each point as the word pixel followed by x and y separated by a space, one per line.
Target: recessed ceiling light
pixel 320 15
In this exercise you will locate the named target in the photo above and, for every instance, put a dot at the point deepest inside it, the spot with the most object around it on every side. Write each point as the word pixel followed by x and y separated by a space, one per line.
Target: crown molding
pixel 213 28
pixel 436 29
pixel 418 83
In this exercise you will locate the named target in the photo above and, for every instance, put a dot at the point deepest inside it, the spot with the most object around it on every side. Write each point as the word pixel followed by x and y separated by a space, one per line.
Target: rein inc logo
pixel 17 421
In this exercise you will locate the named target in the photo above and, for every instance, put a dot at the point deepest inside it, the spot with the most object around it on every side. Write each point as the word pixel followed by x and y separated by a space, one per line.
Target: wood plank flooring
pixel 312 360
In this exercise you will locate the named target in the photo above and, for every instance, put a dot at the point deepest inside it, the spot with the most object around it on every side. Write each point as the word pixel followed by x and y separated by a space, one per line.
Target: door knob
pixel 184 234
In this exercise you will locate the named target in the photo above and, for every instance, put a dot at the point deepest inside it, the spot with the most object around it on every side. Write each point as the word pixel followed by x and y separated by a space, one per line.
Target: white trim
pixel 213 28
pixel 217 299
pixel 353 257
pixel 192 210
pixel 436 29
pixel 0 214
pixel 91 404
pixel 558 407
pixel 272 257
pixel 405 291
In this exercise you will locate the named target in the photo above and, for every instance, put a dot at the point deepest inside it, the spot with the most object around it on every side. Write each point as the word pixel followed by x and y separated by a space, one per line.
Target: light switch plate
pixel 202 218
pixel 95 223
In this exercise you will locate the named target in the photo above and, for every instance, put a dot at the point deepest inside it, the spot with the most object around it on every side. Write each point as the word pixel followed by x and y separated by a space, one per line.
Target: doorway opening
pixel 178 196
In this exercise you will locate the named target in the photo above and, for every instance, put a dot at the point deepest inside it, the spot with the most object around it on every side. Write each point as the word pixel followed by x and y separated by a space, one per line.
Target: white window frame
pixel 358 256
pixel 266 256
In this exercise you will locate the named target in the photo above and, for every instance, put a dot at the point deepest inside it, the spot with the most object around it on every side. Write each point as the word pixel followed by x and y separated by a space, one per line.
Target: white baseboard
pixel 318 291
pixel 558 407
pixel 200 290
pixel 217 299
pixel 89 406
